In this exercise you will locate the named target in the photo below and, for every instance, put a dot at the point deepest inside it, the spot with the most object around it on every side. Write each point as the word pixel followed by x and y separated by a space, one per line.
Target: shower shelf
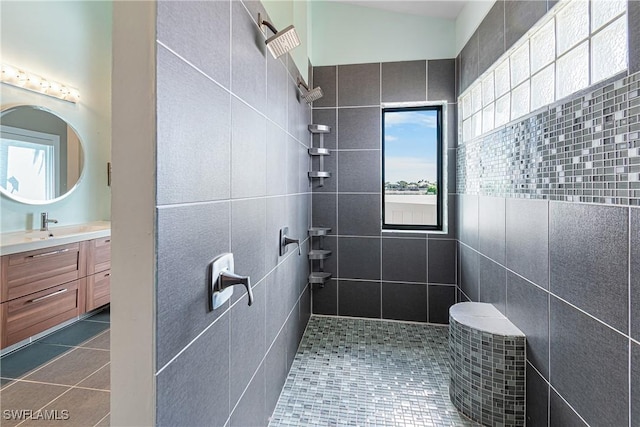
pixel 319 231
pixel 319 174
pixel 320 151
pixel 318 254
pixel 319 277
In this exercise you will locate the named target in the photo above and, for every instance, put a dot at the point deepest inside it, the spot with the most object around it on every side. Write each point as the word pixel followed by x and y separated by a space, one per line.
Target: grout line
pixel 236 199
pixel 551 387
pixel 629 306
pixel 102 419
pixel 374 319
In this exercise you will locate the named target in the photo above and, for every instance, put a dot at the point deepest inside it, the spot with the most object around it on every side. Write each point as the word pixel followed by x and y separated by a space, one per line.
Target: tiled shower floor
pixel 356 372
pixel 67 370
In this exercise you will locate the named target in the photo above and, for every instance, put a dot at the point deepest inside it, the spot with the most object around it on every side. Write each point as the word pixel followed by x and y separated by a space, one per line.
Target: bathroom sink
pixel 21 241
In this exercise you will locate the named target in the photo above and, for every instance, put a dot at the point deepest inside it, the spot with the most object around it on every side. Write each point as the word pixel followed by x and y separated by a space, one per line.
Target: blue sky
pixel 410 145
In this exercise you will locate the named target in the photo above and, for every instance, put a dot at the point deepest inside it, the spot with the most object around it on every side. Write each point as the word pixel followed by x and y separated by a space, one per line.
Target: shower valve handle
pixel 288 241
pixel 227 279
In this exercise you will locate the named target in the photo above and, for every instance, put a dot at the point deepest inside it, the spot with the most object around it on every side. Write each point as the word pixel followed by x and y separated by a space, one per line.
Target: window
pixel 412 158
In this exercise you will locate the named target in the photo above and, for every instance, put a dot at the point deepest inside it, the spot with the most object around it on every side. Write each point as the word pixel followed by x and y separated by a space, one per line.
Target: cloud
pixel 409 169
pixel 389 138
pixel 410 117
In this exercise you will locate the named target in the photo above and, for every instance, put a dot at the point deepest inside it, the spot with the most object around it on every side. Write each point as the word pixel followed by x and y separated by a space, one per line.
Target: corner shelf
pixel 319 152
pixel 317 256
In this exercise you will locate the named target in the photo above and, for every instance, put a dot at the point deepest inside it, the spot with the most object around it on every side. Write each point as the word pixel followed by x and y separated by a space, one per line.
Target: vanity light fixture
pixel 309 95
pixel 18 77
pixel 282 41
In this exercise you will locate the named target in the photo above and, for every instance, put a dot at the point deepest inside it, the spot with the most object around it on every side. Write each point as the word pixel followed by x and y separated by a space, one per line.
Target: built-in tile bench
pixel 488 364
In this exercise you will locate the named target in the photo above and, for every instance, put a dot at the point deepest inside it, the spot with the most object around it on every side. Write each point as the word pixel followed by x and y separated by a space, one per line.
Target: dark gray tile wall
pixel 232 164
pixel 413 274
pixel 570 237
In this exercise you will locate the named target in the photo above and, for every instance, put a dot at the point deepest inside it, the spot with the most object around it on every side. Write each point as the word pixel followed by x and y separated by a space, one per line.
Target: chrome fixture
pixel 44 221
pixel 223 279
pixel 286 241
pixel 282 41
pixel 310 95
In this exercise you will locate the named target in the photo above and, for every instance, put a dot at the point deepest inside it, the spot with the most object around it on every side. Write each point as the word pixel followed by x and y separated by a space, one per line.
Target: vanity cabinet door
pixel 34 313
pixel 29 272
pixel 99 256
pixel 98 290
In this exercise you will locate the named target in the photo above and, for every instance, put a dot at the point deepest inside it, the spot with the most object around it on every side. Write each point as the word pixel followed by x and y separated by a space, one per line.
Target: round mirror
pixel 41 156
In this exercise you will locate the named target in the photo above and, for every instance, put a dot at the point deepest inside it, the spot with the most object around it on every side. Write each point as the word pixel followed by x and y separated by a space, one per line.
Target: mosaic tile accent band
pixel 487 375
pixel 586 149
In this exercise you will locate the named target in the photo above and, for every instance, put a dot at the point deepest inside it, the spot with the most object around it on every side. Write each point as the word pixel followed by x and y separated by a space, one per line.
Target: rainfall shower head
pixel 282 41
pixel 310 95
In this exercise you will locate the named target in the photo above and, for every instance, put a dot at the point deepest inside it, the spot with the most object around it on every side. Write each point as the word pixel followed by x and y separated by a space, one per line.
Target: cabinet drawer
pixel 29 272
pixel 98 289
pixel 99 255
pixel 32 314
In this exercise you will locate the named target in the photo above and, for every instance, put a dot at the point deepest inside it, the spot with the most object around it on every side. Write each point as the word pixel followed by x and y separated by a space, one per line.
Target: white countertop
pixel 485 317
pixel 22 241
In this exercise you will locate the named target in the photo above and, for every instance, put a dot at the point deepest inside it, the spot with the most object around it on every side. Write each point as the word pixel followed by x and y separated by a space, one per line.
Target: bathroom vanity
pixel 51 277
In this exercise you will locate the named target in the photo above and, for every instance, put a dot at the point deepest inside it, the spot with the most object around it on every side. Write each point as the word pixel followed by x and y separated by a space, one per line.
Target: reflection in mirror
pixel 41 156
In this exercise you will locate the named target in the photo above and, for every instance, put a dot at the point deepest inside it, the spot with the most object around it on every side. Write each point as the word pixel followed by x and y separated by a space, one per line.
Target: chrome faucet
pixel 44 221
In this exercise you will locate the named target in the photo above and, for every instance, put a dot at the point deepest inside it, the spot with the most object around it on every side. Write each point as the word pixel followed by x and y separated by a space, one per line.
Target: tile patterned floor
pixel 356 372
pixel 65 371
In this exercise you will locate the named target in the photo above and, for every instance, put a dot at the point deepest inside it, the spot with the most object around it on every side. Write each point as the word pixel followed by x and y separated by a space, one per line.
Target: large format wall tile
pixel 635 273
pixel 537 399
pixel 185 250
pixel 248 57
pixel 404 260
pixel 358 85
pixel 325 212
pixel 359 214
pixel 519 17
pixel 469 271
pixel 359 128
pixel 251 408
pixel 276 157
pixel 589 265
pixel 325 77
pixel 186 29
pixel 493 284
pixel 277 83
pixel 404 81
pixel 491 228
pixel 441 85
pixel 560 414
pixel 491 37
pixel 467 220
pixel 528 239
pixel 404 301
pixel 194 389
pixel 325 299
pixel 359 171
pixel 589 364
pixel 248 239
pixel 248 151
pixel 441 261
pixel 247 341
pixel 528 309
pixel 275 364
pixel 469 59
pixel 351 263
pixel 635 383
pixel 193 134
pixel 359 299
pixel 440 299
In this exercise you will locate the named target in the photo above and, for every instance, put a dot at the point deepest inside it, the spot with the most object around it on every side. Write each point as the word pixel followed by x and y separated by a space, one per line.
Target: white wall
pixel 469 19
pixel 348 34
pixel 69 42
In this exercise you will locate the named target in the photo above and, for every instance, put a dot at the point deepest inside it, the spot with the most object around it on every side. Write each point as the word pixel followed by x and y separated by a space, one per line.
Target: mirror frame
pixel 19 199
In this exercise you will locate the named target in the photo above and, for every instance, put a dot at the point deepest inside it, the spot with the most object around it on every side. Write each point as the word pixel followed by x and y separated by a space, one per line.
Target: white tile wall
pixel 488 92
pixel 572 70
pixel 520 65
pixel 543 87
pixel 503 110
pixel 488 118
pixel 572 25
pixel 520 100
pixel 543 46
pixel 502 82
pixel 603 11
pixel 609 50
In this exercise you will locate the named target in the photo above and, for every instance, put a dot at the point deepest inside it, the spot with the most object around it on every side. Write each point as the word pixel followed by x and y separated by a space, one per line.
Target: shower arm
pixel 269 25
pixel 301 82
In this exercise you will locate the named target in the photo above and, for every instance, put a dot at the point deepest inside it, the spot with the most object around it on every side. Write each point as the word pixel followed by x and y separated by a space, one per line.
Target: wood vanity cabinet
pixel 99 273
pixel 45 287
